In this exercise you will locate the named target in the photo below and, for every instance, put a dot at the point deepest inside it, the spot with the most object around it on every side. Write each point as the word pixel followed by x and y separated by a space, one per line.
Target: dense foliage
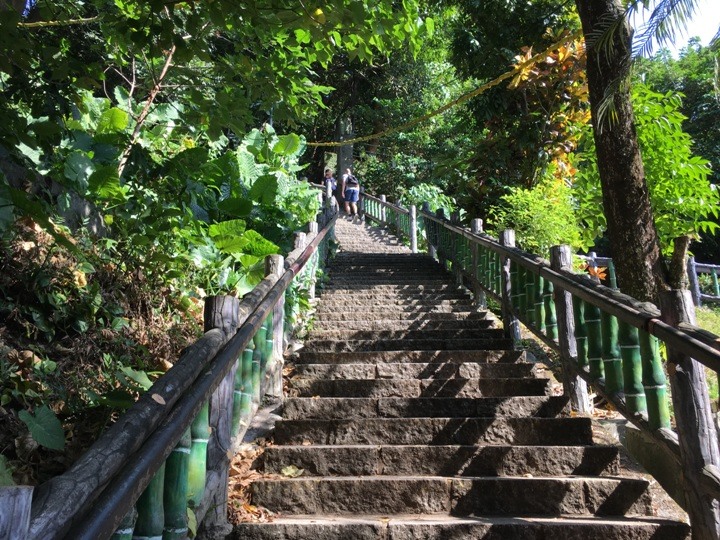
pixel 139 171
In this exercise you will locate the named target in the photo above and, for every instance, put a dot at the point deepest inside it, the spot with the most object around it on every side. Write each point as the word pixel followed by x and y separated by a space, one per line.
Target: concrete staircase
pixel 413 419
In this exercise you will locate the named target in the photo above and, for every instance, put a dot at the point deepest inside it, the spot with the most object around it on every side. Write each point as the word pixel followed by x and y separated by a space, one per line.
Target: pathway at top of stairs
pixel 412 418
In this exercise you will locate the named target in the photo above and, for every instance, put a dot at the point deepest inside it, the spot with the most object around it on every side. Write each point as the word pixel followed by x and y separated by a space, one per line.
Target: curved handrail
pixel 91 499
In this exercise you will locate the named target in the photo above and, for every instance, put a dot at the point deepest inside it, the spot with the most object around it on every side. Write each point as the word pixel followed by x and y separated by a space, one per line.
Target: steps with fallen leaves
pixel 409 417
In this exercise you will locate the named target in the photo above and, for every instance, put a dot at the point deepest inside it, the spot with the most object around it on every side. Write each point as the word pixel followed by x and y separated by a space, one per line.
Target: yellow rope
pixel 462 99
pixel 67 22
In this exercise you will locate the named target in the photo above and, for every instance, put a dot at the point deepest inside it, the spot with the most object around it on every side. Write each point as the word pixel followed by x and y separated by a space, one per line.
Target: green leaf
pixel 253 243
pixel 265 189
pixel 78 168
pixel 229 228
pixel 119 399
pixel 113 120
pixel 236 206
pixel 287 145
pixel 105 184
pixel 139 377
pixel 44 427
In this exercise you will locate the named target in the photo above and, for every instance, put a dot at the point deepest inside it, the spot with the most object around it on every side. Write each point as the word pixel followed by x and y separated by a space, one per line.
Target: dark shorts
pixel 352 195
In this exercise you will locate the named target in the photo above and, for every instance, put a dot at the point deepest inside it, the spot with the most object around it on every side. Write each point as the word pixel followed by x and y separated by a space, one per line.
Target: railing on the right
pixel 604 338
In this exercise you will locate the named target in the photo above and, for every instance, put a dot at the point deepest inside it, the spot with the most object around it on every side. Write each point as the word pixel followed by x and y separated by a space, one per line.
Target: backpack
pixel 352 181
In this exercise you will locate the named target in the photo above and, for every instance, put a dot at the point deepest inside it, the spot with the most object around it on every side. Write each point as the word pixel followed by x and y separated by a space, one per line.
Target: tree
pixel 635 243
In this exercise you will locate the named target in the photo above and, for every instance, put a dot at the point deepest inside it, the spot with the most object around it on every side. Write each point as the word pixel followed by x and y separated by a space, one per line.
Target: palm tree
pixel 631 229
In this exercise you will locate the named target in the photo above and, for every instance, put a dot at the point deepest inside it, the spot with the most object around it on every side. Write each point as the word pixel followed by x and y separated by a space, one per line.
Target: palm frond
pixel 669 19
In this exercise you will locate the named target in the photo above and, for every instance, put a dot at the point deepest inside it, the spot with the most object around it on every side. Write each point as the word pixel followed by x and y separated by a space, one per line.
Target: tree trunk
pixel 626 200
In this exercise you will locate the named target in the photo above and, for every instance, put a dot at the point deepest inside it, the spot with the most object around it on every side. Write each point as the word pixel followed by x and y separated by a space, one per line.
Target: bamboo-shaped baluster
pixel 716 286
pixel 593 324
pixel 612 363
pixel 482 267
pixel 269 345
pixel 242 397
pixel 629 344
pixel 247 391
pixel 581 339
pixel 611 274
pixel 654 383
pixel 530 287
pixel 551 324
pixel 515 286
pixel 200 433
pixel 176 488
pixel 267 342
pixel 539 303
pixel 498 273
pixel 151 515
pixel 258 345
pixel 125 529
pixel 520 284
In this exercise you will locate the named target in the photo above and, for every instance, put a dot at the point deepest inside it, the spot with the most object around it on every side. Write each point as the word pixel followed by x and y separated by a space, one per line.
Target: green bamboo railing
pixel 616 340
pixel 159 467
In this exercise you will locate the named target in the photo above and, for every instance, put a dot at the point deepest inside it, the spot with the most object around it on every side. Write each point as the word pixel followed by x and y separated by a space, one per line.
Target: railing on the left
pixel 167 458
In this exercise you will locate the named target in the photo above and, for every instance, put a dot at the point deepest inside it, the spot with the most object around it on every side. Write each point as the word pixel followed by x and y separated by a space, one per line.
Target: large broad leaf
pixel 254 141
pixel 113 120
pixel 187 163
pixel 78 168
pixel 265 189
pixel 229 228
pixel 253 243
pixel 236 206
pixel 221 170
pixel 287 145
pixel 104 183
pixel 44 427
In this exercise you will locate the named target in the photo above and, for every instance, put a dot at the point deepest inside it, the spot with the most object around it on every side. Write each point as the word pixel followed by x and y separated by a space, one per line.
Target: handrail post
pixel 510 322
pixel 694 420
pixel 220 312
pixel 476 227
pixel 313 232
pixel 275 265
pixel 413 228
pixel 694 284
pixel 456 249
pixel 429 232
pixel 573 385
pixel 441 248
pixel 383 198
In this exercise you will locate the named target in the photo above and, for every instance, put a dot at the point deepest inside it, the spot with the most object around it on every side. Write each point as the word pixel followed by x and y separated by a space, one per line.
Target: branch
pixel 146 110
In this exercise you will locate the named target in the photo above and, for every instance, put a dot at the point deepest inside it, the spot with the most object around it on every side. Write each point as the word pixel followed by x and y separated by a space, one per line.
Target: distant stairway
pixel 413 419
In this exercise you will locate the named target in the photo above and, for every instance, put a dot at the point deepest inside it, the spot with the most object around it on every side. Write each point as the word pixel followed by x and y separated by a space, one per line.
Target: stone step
pixel 419 318
pixel 305 356
pixel 345 407
pixel 436 527
pixel 426 287
pixel 359 304
pixel 439 371
pixel 343 346
pixel 402 324
pixel 352 334
pixel 480 496
pixel 404 310
pixel 448 461
pixel 436 431
pixel 393 297
pixel 410 388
